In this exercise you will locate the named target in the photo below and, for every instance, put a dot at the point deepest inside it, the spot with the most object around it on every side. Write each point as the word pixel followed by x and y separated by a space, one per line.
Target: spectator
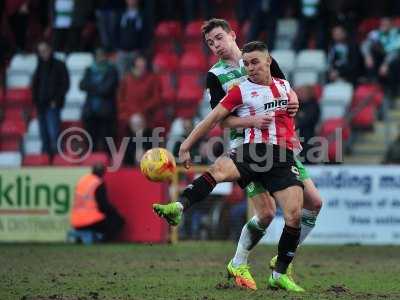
pixel 107 16
pixel 140 92
pixel 18 16
pixel 194 10
pixel 308 116
pixel 131 35
pixel 343 57
pixel 139 140
pixel 99 112
pixel 392 155
pixel 312 19
pixel 187 126
pixel 68 19
pixel 264 16
pixel 49 85
pixel 91 209
pixel 381 51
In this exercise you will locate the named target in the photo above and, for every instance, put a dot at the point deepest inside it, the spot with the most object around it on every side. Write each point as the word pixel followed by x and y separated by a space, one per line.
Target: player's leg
pixel 290 200
pixel 252 233
pixel 222 170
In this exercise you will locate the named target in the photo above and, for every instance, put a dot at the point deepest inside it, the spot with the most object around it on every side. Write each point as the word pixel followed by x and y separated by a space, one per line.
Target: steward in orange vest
pixel 91 209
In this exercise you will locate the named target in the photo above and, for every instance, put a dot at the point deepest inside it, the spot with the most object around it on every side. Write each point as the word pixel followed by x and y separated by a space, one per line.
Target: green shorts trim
pixel 302 170
pixel 254 189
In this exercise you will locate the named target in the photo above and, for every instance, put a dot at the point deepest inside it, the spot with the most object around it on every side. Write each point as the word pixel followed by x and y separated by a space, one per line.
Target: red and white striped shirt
pixel 250 99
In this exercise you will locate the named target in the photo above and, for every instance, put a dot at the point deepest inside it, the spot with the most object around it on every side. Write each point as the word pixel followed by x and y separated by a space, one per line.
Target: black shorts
pixel 274 167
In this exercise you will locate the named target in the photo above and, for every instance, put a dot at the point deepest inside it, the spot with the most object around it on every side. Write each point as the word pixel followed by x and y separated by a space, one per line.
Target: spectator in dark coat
pixel 100 81
pixel 49 86
pixel 392 155
pixel 307 117
pixel 344 57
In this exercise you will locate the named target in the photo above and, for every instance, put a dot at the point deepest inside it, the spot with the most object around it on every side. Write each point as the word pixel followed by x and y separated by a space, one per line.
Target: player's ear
pixel 232 34
pixel 269 59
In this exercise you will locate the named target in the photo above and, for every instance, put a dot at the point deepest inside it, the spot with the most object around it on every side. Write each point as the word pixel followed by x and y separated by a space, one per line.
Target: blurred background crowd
pixel 124 67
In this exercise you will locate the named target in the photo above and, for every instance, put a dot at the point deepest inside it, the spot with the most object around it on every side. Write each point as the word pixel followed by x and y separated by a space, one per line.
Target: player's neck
pixel 234 58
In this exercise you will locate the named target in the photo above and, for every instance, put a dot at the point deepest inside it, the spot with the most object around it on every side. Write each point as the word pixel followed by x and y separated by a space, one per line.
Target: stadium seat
pixel 18 79
pixel 62 161
pixel 301 78
pixel 335 100
pixel 368 92
pixel 193 30
pixel 36 160
pixel 71 114
pixel 329 130
pixel 311 60
pixel 10 159
pixel 165 62
pixel 285 33
pixel 19 96
pixel 77 62
pixel 192 81
pixel 16 114
pixel 10 143
pixel 285 59
pixel 12 128
pixel 364 118
pixel 168 92
pixel 168 30
pixel 23 63
pixel 75 94
pixel 32 145
pixel 60 56
pixel 193 62
pixel 366 26
pixel 96 157
pixel 33 128
pixel 188 98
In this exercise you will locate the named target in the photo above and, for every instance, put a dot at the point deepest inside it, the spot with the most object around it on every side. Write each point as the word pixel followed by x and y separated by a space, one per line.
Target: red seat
pixel 168 92
pixel 364 118
pixel 14 113
pixel 193 30
pixel 193 46
pixel 36 160
pixel 328 130
pixel 212 60
pixel 96 157
pixel 69 124
pixel 19 96
pixel 66 161
pixel 366 26
pixel 165 62
pixel 192 79
pixel 12 128
pixel 188 98
pixel 168 30
pixel 10 143
pixel 193 62
pixel 370 92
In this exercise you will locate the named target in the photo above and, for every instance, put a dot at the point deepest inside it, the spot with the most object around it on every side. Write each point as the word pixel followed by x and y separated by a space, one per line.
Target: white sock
pixel 275 274
pixel 180 205
pixel 252 233
pixel 308 219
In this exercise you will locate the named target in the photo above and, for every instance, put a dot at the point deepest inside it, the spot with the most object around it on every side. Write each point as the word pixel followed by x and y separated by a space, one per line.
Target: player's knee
pixel 217 172
pixel 293 216
pixel 266 215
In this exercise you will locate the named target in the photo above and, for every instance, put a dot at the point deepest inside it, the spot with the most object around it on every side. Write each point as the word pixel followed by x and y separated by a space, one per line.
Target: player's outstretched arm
pixel 212 119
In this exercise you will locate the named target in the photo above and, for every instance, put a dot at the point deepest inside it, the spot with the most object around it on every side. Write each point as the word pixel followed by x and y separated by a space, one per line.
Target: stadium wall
pixel 361 206
pixel 35 204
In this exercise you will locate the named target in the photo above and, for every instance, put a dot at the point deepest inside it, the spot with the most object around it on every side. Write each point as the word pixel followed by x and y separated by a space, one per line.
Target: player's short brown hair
pixel 255 46
pixel 214 23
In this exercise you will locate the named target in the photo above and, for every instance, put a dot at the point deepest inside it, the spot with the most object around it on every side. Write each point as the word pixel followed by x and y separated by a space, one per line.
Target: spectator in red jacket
pixel 140 92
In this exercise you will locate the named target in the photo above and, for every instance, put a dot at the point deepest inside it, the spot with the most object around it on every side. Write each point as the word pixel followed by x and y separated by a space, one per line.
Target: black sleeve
pixel 215 89
pixel 276 71
pixel 102 199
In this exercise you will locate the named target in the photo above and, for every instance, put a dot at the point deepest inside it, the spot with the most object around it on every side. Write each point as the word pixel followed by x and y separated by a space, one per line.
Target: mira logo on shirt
pixel 276 104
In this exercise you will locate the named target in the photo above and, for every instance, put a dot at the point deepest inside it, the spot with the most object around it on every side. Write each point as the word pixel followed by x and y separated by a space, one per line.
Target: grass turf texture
pixel 189 270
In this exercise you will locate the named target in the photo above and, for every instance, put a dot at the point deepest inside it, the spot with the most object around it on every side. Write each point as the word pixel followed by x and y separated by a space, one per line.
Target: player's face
pixel 221 42
pixel 257 65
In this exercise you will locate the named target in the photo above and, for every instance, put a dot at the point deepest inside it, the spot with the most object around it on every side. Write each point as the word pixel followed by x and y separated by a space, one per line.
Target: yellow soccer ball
pixel 158 164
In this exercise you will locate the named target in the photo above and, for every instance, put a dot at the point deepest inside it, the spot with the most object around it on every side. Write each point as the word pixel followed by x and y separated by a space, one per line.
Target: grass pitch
pixel 189 270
